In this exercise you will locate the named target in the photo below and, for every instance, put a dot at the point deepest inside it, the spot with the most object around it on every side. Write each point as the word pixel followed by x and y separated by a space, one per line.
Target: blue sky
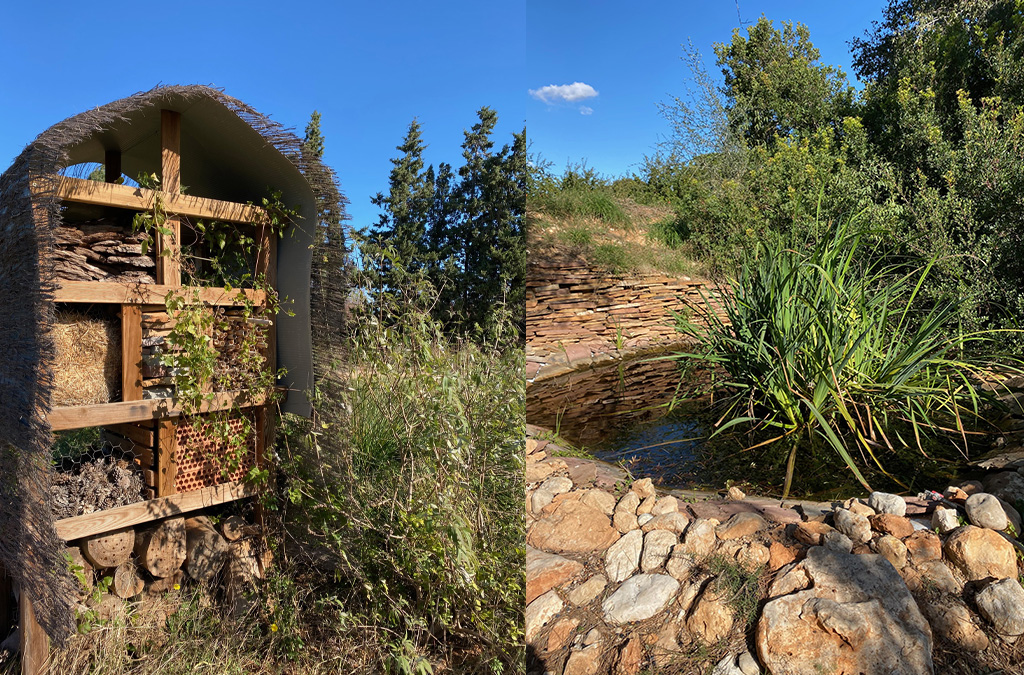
pixel 368 67
pixel 628 54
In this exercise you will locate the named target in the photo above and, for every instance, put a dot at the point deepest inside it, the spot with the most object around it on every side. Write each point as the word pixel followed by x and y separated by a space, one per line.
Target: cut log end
pixel 109 550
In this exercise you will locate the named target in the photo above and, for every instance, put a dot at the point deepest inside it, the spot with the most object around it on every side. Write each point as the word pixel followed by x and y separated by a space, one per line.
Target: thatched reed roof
pixel 229 151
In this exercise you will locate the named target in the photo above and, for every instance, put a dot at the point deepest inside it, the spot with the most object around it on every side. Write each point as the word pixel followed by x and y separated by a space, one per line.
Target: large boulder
pixel 849 615
pixel 573 527
pixel 980 553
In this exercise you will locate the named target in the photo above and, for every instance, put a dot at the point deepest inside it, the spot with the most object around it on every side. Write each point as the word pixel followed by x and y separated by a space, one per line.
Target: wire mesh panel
pixel 214 450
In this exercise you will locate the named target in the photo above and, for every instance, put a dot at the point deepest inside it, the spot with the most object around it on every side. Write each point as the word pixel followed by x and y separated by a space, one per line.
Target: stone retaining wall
pixel 575 311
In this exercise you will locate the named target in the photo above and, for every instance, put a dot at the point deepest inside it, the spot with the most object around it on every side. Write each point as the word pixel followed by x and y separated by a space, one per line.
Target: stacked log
pixel 102 250
pixel 206 551
pixel 569 302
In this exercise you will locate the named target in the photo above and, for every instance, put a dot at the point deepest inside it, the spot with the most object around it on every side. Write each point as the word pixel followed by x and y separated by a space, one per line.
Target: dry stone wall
pixel 577 313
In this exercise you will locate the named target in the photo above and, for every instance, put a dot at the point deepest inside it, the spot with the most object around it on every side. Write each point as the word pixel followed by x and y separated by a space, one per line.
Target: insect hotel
pixel 155 260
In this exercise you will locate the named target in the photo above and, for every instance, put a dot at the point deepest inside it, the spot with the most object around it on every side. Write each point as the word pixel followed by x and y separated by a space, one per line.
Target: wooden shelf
pixel 85 191
pixel 107 414
pixel 150 294
pixel 120 517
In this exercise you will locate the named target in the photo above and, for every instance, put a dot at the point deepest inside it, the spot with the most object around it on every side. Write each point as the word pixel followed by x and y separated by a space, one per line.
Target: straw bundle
pixel 87 360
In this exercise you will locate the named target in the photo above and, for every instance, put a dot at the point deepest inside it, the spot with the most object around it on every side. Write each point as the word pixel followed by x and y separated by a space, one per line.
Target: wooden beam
pixel 107 414
pixel 136 433
pixel 131 352
pixel 121 517
pixel 35 644
pixel 149 294
pixel 84 191
pixel 166 457
pixel 112 165
pixel 168 246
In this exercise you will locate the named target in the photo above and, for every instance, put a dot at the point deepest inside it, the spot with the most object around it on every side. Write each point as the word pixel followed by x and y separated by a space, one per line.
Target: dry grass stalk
pixel 87 359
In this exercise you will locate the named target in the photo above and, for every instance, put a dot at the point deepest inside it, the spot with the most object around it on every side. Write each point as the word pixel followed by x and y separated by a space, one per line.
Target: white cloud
pixel 577 91
pixel 586 110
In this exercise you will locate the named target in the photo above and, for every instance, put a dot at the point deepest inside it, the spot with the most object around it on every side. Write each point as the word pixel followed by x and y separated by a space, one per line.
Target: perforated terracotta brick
pixel 203 457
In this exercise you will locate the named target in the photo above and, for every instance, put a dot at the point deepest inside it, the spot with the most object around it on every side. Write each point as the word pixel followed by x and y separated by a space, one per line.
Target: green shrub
pixel 821 341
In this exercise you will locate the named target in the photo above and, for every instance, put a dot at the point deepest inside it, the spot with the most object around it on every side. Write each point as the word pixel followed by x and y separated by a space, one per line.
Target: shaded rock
pixel 1012 516
pixel 573 527
pixel 893 550
pixel 644 488
pixel 727 666
pixel 887 523
pixel 588 590
pixel 665 505
pixel 951 620
pixel 1007 485
pixel 856 527
pixel 623 557
pixel 544 571
pixel 646 505
pixel 680 564
pixel 711 618
pixel 673 522
pixel 837 541
pixel 700 538
pixel 560 633
pixel 810 532
pixel 640 597
pixel 1002 603
pixel 748 664
pixel 935 573
pixel 740 525
pixel 600 500
pixel 944 520
pixel 884 502
pixel 540 612
pixel 657 546
pixel 923 546
pixel 985 510
pixel 857 616
pixel 980 553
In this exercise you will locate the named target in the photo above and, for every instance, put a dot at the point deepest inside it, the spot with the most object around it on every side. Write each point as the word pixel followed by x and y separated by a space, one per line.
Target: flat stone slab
pixel 639 598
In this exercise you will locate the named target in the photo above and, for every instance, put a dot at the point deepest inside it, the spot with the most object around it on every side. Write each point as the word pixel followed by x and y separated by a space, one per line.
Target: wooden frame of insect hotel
pixel 161 302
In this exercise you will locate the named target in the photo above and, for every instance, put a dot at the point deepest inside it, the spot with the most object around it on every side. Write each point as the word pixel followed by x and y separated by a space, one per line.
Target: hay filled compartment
pixel 87 356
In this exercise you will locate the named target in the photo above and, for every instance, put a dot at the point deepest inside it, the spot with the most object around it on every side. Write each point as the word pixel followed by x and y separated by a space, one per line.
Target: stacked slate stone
pixel 157 379
pixel 102 250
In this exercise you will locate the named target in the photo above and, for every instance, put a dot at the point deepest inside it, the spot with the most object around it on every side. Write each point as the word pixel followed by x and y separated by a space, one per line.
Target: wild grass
pixel 821 342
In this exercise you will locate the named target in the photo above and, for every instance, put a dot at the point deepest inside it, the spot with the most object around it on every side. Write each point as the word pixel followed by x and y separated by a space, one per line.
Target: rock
pixel 955 494
pixel 969 487
pixel 673 522
pixel 587 661
pixel 1007 485
pixel 646 505
pixel 556 485
pixel 573 527
pixel 540 499
pixel 625 521
pixel 854 616
pixel 544 571
pixel 883 502
pixel 944 520
pixel 887 523
pixel 980 553
pixel 540 612
pixel 923 546
pixel 1012 516
pixel 629 503
pixel 680 564
pixel 810 532
pixel 643 519
pixel 700 539
pixel 665 505
pixel 657 546
pixel 857 528
pixel 630 658
pixel 644 488
pixel 951 620
pixel 837 541
pixel 984 510
pixel 727 666
pixel 748 664
pixel 623 557
pixel 588 590
pixel 936 573
pixel 1002 603
pixel 560 633
pixel 893 550
pixel 736 494
pixel 640 597
pixel 860 508
pixel 600 500
pixel 780 555
pixel 740 525
pixel 711 619
pixel 753 555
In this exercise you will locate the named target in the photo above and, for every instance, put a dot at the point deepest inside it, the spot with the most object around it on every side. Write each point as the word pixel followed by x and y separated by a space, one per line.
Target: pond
pixel 647 416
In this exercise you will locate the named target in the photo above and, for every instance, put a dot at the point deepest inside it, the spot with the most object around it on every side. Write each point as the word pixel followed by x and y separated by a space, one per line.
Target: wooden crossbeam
pixel 84 191
pixel 120 517
pixel 107 414
pixel 150 294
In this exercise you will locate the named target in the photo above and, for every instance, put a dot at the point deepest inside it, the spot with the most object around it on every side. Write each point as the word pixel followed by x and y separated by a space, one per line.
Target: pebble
pixel 884 502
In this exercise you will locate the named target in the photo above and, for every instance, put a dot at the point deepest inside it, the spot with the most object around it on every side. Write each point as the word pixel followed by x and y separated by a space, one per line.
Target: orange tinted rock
pixel 573 527
pixel 887 523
